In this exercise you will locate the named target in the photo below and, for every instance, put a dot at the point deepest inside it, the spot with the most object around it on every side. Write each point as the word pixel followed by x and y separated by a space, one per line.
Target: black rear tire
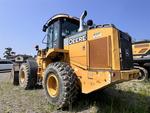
pixel 14 77
pixel 143 74
pixel 67 88
pixel 27 80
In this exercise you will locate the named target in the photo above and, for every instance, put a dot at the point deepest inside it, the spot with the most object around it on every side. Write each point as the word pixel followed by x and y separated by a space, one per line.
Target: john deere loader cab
pixel 58 27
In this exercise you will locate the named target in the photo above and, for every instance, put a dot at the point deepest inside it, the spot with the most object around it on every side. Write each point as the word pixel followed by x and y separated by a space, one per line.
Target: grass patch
pixel 116 100
pixel 129 97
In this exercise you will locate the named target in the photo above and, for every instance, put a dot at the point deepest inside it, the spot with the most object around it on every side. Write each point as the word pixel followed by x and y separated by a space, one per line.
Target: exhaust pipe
pixel 81 27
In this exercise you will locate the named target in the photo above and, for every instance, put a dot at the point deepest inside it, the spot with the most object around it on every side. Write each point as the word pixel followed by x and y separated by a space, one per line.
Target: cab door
pixel 53 36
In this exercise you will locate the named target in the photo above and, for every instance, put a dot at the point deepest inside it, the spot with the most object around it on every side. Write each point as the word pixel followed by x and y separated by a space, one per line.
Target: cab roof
pixel 58 16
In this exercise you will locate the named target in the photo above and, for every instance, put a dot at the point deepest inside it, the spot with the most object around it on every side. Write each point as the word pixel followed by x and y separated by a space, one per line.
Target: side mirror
pixel 44 28
pixel 37 47
pixel 90 22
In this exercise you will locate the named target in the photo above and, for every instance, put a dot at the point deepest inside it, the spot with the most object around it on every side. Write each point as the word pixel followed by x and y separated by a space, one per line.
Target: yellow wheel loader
pixel 79 57
pixel 141 58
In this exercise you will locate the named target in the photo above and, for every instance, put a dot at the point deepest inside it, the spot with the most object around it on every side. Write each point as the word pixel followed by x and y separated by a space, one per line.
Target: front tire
pixel 26 79
pixel 60 84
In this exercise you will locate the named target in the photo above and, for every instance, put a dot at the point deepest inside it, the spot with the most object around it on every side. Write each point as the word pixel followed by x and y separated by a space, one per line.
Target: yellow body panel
pixel 94 70
pixel 78 53
pixel 111 33
pixel 91 80
pixel 54 50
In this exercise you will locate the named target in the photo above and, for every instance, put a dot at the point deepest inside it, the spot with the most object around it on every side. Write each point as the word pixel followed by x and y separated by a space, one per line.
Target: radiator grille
pixel 99 53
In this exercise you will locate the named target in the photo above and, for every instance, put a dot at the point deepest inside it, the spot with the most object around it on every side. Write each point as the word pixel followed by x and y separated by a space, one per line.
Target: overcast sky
pixel 21 21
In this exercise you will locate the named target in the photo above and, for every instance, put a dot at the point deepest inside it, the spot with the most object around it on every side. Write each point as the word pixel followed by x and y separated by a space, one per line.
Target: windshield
pixel 69 28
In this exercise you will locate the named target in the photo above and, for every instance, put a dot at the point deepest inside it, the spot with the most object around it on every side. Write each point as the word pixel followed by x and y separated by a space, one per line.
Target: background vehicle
pixel 16 61
pixel 141 58
pixel 79 57
pixel 5 66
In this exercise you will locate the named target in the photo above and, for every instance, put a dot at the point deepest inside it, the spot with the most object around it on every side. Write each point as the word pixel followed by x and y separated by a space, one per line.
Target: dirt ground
pixel 128 97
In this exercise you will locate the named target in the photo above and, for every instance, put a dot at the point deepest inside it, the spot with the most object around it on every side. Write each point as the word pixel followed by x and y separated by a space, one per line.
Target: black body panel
pixel 126 51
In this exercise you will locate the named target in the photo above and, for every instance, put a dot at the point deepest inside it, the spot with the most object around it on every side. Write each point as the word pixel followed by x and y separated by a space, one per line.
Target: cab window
pixel 49 36
pixel 69 28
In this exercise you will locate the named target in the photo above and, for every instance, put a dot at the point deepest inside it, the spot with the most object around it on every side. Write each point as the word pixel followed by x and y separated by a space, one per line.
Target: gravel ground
pixel 4 76
pixel 127 97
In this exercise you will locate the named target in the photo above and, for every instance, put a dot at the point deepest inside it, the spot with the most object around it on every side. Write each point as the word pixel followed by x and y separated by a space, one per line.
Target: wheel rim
pixel 52 85
pixel 22 78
